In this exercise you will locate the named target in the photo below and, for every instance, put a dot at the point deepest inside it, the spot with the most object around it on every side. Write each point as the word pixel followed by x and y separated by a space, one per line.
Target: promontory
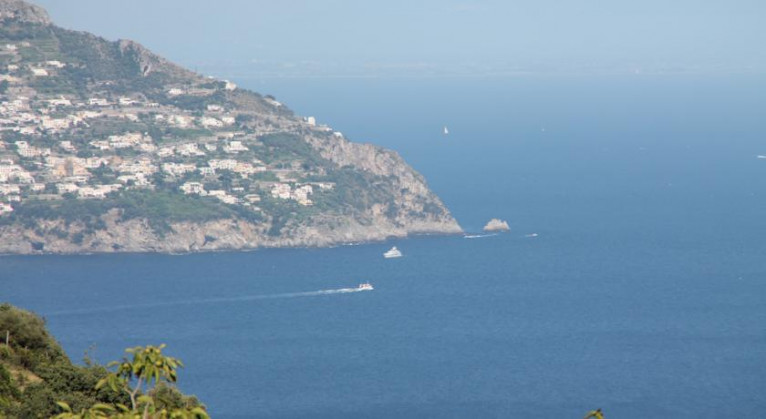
pixel 107 147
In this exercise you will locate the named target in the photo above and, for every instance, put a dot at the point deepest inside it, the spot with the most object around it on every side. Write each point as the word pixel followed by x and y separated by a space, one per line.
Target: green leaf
pixel 103 407
pixel 64 406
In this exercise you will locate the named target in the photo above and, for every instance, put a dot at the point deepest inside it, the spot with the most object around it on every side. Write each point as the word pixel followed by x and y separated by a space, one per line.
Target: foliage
pixel 52 386
pixel 103 174
pixel 27 331
pixel 102 410
pixel 148 365
pixel 8 389
pixel 265 176
pixel 159 207
pixel 145 368
pixel 283 147
pixel 44 374
pixel 194 103
pixel 354 191
pixel 103 60
pixel 22 31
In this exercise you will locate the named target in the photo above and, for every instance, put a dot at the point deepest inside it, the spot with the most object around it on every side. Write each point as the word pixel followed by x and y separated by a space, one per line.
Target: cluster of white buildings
pixel 197 188
pixel 36 122
pixel 97 191
pixel 10 171
pixel 178 169
pixel 135 140
pixel 234 147
pixel 11 192
pixel 26 150
pixel 300 193
pixel 140 165
pixel 35 118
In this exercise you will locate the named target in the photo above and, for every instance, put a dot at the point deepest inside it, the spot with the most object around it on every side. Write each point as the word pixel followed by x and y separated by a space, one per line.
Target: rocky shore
pixel 137 236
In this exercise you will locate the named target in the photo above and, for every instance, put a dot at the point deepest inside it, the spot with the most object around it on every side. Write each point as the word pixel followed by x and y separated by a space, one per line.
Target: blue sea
pixel 643 293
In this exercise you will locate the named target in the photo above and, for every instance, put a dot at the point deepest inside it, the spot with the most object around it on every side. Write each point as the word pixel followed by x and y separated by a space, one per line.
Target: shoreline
pixel 244 249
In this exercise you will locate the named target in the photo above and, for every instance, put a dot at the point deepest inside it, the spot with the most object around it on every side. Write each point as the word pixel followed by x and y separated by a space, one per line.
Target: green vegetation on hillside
pixel 37 379
pixel 160 208
pixel 285 147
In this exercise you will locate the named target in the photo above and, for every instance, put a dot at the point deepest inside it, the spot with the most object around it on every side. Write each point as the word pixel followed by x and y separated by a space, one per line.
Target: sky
pixel 337 38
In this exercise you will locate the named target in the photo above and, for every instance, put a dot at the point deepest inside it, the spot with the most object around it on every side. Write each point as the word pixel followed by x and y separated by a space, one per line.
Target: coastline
pixel 136 236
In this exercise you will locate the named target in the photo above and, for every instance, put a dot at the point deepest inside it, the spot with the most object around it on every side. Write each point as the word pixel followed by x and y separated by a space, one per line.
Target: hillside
pixel 107 147
pixel 35 374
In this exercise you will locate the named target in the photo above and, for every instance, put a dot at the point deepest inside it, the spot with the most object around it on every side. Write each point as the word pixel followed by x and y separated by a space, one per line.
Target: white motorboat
pixel 392 253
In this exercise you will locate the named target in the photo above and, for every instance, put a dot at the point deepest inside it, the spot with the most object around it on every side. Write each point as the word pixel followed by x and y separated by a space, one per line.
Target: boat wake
pixel 220 300
pixel 478 236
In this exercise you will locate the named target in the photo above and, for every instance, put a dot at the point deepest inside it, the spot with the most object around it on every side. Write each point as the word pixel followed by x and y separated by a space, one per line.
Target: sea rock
pixel 497 224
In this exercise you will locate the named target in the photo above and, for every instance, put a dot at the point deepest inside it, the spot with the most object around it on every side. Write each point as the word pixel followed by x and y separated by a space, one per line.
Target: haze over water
pixel 642 294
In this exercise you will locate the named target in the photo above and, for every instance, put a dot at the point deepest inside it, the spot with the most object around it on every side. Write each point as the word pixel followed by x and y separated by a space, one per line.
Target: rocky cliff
pixel 107 147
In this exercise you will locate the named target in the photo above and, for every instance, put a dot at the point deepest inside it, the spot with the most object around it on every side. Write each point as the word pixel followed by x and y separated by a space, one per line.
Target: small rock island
pixel 496 224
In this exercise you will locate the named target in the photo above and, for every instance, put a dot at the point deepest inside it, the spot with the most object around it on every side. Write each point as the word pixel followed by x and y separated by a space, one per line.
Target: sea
pixel 633 278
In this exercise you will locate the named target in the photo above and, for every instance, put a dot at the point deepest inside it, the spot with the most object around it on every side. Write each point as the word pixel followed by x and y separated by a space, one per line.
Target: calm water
pixel 644 293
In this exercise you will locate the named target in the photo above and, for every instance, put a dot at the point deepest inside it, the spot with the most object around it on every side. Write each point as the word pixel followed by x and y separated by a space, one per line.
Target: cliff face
pixel 226 234
pixel 107 147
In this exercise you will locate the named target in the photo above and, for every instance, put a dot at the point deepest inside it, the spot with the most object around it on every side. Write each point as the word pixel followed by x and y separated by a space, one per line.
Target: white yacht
pixel 392 253
pixel 366 286
pixel 446 131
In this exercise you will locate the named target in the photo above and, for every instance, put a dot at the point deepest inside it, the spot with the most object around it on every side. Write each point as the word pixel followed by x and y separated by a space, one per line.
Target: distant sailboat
pixel 446 131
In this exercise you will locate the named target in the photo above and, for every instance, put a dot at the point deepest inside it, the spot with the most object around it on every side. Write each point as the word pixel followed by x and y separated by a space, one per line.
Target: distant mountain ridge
pixel 108 147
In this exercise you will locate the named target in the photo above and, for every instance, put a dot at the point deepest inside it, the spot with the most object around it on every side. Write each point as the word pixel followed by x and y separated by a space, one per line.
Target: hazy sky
pixel 341 37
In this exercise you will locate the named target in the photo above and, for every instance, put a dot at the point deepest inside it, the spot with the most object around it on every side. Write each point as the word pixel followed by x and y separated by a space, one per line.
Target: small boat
pixel 392 253
pixel 446 131
pixel 366 286
pixel 531 235
pixel 760 156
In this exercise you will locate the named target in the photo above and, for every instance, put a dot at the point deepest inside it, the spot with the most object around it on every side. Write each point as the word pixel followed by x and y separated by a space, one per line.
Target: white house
pixel 234 147
pixel 281 191
pixel 209 122
pixel 193 188
pixel 5 208
pixel 61 101
pixel 9 189
pixel 67 188
pixel 39 72
pixel 97 101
